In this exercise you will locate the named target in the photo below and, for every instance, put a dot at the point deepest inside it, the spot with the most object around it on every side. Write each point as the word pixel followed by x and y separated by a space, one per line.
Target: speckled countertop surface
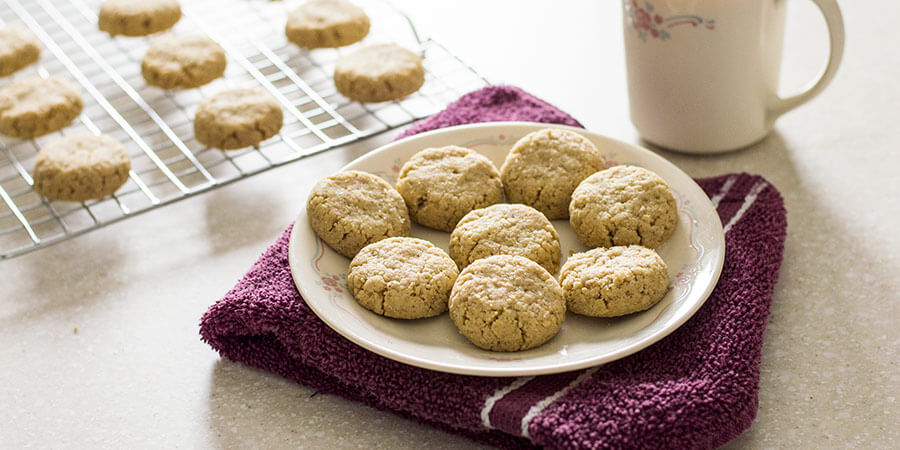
pixel 99 334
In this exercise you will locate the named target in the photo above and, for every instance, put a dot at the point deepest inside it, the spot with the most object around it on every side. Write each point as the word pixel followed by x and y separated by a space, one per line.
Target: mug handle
pixel 835 23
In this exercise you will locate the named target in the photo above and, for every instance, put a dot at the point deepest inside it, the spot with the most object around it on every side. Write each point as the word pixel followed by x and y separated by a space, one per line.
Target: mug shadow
pixel 250 408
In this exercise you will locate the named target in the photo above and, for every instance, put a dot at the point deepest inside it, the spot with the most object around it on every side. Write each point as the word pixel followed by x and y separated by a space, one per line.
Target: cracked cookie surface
pixel 378 73
pixel 36 106
pixel 612 282
pixel 623 205
pixel 82 167
pixel 138 18
pixel 352 209
pixel 402 277
pixel 545 166
pixel 237 118
pixel 441 185
pixel 326 24
pixel 18 48
pixel 507 303
pixel 505 229
pixel 182 62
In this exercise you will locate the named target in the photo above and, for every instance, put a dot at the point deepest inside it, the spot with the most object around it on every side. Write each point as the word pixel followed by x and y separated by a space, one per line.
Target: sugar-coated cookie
pixel 379 73
pixel 441 185
pixel 507 303
pixel 237 118
pixel 623 205
pixel 81 167
pixel 350 210
pixel 611 282
pixel 36 106
pixel 402 277
pixel 545 166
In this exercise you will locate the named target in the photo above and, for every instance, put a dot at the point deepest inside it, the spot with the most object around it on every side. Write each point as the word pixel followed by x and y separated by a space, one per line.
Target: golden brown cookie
pixel 36 106
pixel 505 229
pixel 82 167
pixel 350 210
pixel 237 118
pixel 379 73
pixel 611 282
pixel 19 48
pixel 182 62
pixel 545 166
pixel 138 17
pixel 402 277
pixel 441 185
pixel 326 23
pixel 507 303
pixel 623 205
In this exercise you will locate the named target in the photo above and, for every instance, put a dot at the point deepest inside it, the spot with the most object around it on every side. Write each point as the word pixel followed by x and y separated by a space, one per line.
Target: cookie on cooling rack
pixel 350 210
pixel 545 166
pixel 326 24
pixel 402 277
pixel 36 106
pixel 379 73
pixel 19 48
pixel 182 62
pixel 623 205
pixel 237 118
pixel 138 18
pixel 80 168
pixel 615 281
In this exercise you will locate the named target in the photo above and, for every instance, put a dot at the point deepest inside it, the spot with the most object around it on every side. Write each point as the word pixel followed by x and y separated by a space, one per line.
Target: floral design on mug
pixel 646 21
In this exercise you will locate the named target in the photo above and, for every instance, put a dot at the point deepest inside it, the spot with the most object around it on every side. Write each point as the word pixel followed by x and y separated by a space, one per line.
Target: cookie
pixel 19 48
pixel 36 106
pixel 350 210
pixel 507 303
pixel 615 281
pixel 182 62
pixel 623 205
pixel 441 185
pixel 402 277
pixel 544 167
pixel 80 168
pixel 326 24
pixel 237 118
pixel 505 229
pixel 379 73
pixel 138 17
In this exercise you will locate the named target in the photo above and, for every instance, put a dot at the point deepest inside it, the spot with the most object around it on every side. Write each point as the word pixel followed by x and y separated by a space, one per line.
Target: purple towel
pixel 696 388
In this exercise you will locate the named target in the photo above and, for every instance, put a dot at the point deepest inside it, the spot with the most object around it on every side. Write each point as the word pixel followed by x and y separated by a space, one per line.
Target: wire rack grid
pixel 156 126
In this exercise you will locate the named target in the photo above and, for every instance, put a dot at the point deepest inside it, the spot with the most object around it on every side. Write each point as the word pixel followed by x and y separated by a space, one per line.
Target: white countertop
pixel 99 334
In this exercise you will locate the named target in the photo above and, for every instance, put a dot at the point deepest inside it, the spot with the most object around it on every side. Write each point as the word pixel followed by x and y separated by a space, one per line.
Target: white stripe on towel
pixel 723 191
pixel 539 406
pixel 497 395
pixel 748 201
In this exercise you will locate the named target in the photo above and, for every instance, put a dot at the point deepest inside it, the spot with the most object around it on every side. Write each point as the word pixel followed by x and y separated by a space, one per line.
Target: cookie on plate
pixel 615 281
pixel 402 277
pixel 82 167
pixel 623 205
pixel 379 73
pixel 36 106
pixel 237 118
pixel 441 185
pixel 350 210
pixel 138 18
pixel 507 303
pixel 505 229
pixel 19 48
pixel 545 166
pixel 182 62
pixel 326 24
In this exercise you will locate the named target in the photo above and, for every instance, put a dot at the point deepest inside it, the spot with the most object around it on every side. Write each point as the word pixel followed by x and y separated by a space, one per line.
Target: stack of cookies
pixel 498 279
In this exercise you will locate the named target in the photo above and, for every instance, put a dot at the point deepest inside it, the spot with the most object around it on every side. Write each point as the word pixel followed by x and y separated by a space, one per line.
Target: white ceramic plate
pixel 694 254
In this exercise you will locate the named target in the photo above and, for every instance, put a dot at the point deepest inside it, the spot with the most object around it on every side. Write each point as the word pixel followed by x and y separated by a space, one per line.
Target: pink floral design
pixel 334 282
pixel 646 22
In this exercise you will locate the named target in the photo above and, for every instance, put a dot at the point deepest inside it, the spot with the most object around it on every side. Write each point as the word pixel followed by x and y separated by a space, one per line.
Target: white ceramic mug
pixel 703 74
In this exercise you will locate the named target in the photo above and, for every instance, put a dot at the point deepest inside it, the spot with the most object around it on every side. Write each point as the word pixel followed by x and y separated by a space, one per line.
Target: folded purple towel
pixel 696 388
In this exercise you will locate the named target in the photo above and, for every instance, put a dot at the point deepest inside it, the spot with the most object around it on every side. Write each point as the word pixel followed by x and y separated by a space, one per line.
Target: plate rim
pixel 449 367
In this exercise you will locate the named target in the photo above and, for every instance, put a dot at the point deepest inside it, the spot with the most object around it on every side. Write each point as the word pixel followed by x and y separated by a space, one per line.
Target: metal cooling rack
pixel 156 126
